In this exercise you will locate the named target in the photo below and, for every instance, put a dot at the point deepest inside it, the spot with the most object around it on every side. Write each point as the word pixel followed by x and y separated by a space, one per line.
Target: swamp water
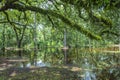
pixel 87 65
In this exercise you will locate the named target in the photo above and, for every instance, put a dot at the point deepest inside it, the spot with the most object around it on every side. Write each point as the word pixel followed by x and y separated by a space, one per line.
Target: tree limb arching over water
pixel 66 20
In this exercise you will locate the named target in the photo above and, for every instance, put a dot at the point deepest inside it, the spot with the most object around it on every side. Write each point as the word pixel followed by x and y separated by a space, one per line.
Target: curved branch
pixel 16 23
pixel 57 15
pixel 51 20
pixel 14 27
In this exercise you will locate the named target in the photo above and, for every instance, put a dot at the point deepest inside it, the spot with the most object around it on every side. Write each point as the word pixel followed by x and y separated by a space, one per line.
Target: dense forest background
pixel 38 23
pixel 59 39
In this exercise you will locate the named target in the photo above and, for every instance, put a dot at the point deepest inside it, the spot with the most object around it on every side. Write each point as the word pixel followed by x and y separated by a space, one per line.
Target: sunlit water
pixel 39 63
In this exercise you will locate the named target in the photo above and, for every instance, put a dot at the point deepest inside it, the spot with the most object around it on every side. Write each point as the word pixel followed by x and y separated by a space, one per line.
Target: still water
pixel 94 65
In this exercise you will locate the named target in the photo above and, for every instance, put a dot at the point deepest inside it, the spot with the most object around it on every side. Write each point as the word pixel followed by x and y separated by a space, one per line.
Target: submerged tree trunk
pixel 35 57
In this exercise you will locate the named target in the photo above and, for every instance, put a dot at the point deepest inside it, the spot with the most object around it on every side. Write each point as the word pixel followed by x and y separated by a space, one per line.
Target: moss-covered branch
pixel 87 5
pixel 54 14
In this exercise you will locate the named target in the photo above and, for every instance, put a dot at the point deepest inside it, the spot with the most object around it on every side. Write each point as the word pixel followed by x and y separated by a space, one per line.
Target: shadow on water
pixel 95 66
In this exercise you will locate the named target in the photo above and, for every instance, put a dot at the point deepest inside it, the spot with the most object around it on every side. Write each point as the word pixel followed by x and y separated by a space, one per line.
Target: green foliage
pixel 94 19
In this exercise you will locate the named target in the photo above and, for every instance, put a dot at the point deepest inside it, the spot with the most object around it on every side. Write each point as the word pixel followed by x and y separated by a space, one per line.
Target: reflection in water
pixel 39 63
pixel 96 66
pixel 87 75
pixel 88 72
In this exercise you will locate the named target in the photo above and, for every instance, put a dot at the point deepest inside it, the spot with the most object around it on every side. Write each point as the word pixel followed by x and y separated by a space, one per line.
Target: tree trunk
pixel 19 39
pixel 65 46
pixel 19 48
pixel 3 41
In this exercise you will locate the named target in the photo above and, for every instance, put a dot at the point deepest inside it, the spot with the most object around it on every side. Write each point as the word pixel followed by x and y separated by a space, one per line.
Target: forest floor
pixel 10 72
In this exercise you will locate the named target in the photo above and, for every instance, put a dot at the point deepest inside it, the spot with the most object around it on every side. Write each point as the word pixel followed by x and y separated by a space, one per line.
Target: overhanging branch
pixel 54 14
